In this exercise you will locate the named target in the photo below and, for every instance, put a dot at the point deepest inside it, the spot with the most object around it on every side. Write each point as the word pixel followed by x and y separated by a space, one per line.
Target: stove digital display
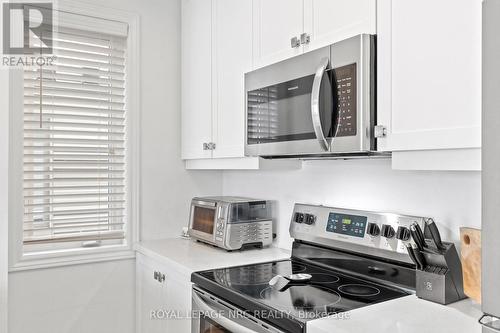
pixel 350 225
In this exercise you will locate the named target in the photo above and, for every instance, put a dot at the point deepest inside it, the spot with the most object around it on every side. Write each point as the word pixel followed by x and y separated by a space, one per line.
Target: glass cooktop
pixel 327 292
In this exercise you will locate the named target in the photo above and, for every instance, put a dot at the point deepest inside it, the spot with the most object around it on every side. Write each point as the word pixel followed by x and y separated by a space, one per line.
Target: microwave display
pixel 345 79
pixel 203 219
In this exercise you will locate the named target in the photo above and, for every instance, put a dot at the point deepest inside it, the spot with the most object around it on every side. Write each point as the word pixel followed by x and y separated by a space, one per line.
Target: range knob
pixel 373 229
pixel 299 217
pixel 403 233
pixel 309 219
pixel 388 231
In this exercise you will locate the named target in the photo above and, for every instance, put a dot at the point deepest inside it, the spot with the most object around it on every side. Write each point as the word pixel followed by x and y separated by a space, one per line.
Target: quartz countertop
pixel 190 256
pixel 407 314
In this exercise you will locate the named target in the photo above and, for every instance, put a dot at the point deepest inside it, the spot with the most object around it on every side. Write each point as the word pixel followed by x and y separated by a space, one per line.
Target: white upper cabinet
pixel 196 95
pixel 276 22
pixel 314 24
pixel 329 21
pixel 232 57
pixel 429 87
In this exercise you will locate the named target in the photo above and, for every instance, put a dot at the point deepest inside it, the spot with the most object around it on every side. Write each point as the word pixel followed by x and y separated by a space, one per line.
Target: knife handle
pixel 419 257
pixel 412 255
pixel 434 232
pixel 416 238
pixel 420 233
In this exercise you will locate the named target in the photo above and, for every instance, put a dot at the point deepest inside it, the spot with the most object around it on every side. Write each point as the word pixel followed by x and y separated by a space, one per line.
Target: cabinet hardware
pixel 380 131
pixel 305 38
pixel 209 146
pixel 155 275
pixel 161 277
pixel 294 42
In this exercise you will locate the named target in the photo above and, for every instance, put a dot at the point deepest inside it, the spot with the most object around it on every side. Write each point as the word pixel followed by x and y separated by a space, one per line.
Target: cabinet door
pixel 150 298
pixel 436 74
pixel 178 295
pixel 196 84
pixel 329 21
pixel 275 23
pixel 232 57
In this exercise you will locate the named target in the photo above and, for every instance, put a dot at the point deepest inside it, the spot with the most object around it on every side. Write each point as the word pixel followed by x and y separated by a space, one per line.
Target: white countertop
pixel 404 315
pixel 190 256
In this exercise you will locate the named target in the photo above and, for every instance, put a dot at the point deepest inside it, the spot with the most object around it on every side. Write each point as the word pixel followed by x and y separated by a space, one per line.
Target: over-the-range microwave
pixel 321 103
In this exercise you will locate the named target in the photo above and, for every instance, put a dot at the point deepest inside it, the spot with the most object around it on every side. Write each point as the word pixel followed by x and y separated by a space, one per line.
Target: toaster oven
pixel 231 222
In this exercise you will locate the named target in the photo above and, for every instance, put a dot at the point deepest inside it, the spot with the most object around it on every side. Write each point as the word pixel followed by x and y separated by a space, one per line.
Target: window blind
pixel 74 145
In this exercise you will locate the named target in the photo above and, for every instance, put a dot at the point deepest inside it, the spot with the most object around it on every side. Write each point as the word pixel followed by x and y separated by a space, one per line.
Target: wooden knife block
pixel 470 255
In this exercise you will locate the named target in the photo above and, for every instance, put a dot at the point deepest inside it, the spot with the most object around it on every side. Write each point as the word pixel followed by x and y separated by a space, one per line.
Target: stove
pixel 350 264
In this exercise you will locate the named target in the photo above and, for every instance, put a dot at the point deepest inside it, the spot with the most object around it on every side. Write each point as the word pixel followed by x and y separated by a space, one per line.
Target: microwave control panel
pixel 345 81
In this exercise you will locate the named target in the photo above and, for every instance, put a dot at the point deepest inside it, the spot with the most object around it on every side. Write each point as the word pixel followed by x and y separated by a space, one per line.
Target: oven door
pixel 203 220
pixel 213 315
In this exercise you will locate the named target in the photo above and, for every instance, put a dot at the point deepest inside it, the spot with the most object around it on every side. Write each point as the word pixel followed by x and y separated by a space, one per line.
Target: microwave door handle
pixel 219 319
pixel 315 112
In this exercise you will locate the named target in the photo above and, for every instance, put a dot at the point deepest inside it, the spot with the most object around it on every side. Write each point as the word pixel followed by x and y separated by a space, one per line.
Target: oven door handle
pixel 315 112
pixel 219 319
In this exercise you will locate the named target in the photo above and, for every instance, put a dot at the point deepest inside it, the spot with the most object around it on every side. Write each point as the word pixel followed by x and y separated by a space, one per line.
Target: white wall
pixel 4 179
pixel 97 298
pixel 101 297
pixel 452 198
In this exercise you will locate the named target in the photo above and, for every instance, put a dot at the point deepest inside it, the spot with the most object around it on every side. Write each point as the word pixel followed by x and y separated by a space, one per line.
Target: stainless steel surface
pixel 380 131
pixel 393 249
pixel 305 38
pixel 490 323
pixel 294 42
pixel 232 235
pixel 220 312
pixel 359 50
pixel 300 277
pixel 315 112
pixel 491 159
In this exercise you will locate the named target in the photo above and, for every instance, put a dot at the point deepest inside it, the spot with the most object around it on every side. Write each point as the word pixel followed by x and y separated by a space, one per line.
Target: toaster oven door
pixel 203 219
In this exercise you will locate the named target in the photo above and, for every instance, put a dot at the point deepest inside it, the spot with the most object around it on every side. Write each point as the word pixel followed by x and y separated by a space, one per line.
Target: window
pixel 74 151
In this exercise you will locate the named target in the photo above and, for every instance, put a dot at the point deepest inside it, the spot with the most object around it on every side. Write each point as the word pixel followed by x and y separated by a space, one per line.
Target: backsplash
pixel 453 199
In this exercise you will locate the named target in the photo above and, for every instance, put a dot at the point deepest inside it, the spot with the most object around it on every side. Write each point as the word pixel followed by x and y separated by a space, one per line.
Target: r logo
pixel 27 28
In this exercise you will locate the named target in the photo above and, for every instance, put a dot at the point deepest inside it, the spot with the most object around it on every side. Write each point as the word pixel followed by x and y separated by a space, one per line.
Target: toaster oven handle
pixel 315 112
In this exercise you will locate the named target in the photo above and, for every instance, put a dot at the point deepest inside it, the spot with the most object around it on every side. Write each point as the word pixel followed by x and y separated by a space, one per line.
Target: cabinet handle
pixel 208 146
pixel 155 275
pixel 305 38
pixel 294 42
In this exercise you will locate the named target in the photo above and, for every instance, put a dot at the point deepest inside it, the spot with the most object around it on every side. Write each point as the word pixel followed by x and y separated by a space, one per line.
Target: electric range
pixel 350 259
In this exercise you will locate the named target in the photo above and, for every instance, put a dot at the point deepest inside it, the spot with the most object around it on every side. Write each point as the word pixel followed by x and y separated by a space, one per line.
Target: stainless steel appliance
pixel 231 222
pixel 341 260
pixel 321 103
pixel 490 186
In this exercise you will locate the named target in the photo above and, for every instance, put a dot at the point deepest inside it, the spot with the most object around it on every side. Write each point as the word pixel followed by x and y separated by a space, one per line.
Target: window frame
pixel 17 259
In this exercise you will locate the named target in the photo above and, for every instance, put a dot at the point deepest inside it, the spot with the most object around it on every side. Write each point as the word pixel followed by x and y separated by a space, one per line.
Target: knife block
pixel 441 281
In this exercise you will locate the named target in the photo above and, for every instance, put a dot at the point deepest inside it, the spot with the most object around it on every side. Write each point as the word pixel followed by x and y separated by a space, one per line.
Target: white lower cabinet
pixel 163 298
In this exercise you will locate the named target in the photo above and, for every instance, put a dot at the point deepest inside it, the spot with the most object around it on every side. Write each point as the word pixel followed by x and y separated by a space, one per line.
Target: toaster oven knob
pixel 373 229
pixel 309 219
pixel 299 217
pixel 388 231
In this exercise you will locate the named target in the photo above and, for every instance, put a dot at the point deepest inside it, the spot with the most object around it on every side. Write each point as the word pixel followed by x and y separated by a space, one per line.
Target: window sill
pixel 75 259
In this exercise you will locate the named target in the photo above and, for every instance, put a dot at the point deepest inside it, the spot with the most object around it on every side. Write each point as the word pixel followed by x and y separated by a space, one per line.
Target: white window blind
pixel 74 157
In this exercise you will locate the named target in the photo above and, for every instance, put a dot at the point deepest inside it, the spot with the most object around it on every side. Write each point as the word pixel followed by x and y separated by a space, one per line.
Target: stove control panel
pixel 373 233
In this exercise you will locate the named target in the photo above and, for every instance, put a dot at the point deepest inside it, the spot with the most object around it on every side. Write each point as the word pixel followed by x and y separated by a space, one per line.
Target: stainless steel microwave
pixel 321 103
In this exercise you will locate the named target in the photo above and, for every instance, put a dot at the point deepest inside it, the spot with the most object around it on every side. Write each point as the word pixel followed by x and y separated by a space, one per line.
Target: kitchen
pixel 191 67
